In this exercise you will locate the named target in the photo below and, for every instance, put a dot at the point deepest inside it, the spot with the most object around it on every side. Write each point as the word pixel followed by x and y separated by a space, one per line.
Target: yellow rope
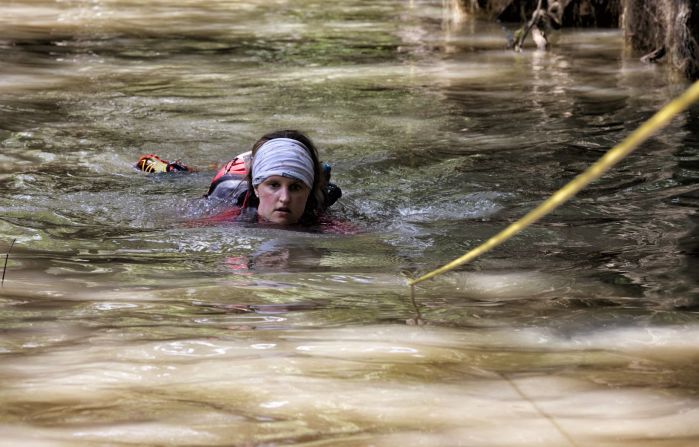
pixel 608 160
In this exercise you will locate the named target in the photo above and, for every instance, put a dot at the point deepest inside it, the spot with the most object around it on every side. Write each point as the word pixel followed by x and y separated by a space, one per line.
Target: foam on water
pixel 126 321
pixel 236 391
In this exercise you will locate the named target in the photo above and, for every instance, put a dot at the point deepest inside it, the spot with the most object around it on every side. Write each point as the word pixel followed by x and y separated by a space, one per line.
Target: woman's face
pixel 282 199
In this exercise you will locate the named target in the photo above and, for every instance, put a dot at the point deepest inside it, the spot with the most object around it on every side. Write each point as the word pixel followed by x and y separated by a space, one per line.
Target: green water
pixel 121 323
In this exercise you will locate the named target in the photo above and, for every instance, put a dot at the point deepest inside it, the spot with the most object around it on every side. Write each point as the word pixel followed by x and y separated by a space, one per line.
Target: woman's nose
pixel 284 194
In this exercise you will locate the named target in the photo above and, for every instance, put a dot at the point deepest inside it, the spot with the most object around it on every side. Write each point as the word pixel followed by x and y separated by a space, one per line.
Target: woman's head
pixel 286 179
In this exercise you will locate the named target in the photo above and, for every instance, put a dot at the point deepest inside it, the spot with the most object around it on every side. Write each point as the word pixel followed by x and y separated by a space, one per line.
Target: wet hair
pixel 317 199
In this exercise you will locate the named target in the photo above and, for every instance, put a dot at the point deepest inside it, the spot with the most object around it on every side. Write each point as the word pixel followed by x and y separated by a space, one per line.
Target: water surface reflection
pixel 123 323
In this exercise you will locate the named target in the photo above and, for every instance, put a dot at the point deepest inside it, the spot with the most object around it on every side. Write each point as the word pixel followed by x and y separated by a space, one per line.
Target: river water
pixel 123 324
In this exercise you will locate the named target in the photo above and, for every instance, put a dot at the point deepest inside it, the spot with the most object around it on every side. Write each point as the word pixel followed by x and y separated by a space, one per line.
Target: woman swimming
pixel 280 181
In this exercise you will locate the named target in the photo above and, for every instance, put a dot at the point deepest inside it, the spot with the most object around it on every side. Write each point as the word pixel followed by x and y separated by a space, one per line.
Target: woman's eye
pixel 295 187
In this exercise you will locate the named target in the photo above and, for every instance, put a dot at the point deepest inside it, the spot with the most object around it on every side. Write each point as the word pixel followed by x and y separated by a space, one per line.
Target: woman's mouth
pixel 282 210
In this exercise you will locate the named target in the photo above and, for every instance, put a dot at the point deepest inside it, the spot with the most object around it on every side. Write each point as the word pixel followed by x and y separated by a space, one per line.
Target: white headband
pixel 285 157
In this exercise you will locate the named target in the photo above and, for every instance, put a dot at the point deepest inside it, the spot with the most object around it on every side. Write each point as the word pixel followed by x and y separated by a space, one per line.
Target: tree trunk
pixel 669 25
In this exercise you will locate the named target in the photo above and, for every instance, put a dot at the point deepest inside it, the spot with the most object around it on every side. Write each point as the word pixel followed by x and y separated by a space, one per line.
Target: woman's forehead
pixel 282 179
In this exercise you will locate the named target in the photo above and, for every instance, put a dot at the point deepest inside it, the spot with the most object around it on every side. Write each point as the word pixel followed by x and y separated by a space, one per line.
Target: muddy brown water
pixel 122 324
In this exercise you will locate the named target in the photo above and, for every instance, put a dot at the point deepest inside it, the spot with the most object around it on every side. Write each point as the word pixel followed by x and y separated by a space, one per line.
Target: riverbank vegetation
pixel 664 31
